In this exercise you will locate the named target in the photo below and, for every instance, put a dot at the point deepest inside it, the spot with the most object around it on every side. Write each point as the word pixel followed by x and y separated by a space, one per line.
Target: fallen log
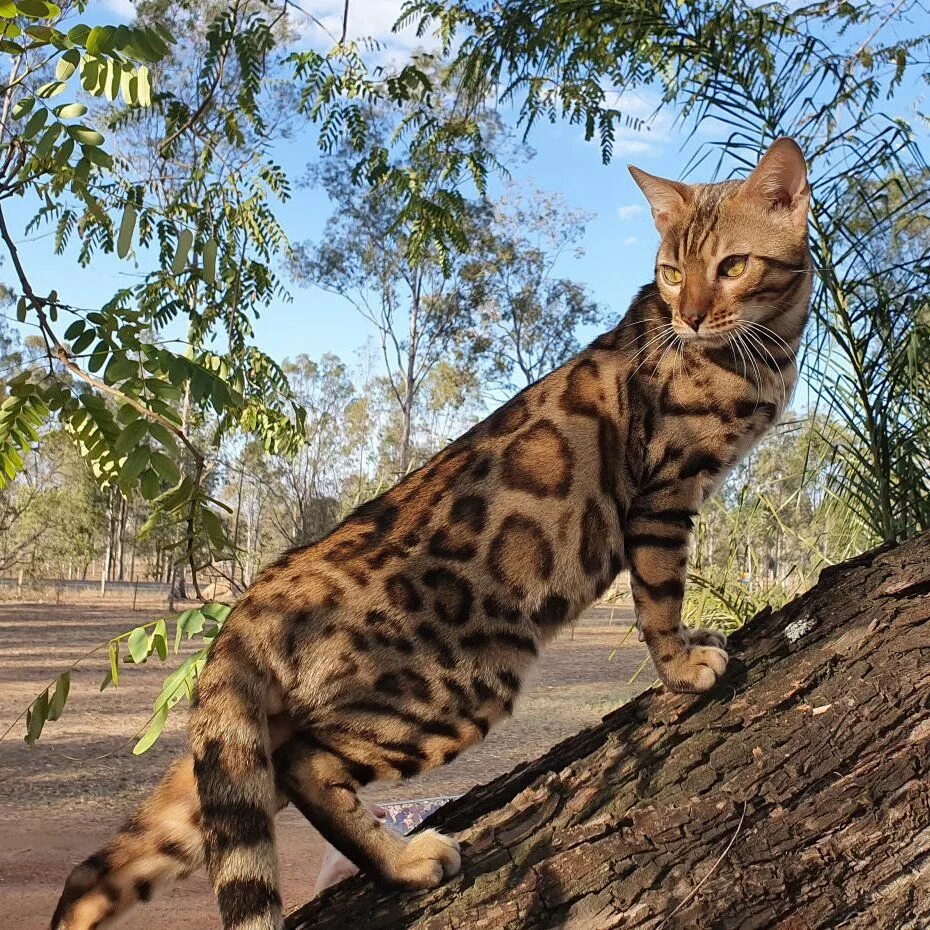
pixel 794 796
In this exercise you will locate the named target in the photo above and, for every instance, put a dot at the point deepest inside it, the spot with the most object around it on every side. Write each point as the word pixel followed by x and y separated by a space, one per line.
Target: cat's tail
pixel 159 844
pixel 230 742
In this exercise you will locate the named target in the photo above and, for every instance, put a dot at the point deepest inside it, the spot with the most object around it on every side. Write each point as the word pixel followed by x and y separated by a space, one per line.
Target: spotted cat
pixel 401 638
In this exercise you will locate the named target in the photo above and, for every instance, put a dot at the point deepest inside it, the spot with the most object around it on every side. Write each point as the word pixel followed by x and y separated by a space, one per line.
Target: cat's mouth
pixel 718 335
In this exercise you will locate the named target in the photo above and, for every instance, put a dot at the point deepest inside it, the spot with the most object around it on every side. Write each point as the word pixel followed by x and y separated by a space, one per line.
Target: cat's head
pixel 736 252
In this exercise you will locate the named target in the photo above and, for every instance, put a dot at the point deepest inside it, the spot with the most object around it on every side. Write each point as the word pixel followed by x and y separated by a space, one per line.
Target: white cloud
pixel 630 240
pixel 367 19
pixel 630 210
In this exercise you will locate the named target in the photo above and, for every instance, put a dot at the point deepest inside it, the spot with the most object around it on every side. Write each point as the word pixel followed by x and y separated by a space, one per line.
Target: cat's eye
pixel 732 266
pixel 672 275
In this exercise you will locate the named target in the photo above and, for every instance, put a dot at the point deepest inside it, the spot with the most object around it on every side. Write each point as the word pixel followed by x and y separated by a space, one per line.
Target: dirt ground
pixel 61 801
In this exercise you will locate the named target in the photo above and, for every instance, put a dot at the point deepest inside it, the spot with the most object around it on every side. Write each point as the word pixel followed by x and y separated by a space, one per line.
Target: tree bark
pixel 794 796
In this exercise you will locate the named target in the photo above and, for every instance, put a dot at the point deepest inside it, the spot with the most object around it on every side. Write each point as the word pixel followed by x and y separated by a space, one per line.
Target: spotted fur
pixel 401 638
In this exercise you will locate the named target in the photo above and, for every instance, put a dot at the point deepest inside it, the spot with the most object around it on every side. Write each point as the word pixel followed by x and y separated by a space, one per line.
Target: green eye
pixel 672 275
pixel 733 266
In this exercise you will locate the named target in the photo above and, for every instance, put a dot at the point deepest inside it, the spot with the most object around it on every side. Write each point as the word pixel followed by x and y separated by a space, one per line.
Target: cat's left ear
pixel 780 179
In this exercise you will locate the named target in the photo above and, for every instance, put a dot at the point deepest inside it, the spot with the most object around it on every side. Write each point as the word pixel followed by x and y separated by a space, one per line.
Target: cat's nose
pixel 693 318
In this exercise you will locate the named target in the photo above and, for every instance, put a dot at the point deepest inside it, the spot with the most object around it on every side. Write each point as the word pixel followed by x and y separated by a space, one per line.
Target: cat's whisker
pixel 669 336
pixel 667 348
pixel 760 380
pixel 780 341
pixel 763 332
pixel 734 347
pixel 750 335
pixel 657 337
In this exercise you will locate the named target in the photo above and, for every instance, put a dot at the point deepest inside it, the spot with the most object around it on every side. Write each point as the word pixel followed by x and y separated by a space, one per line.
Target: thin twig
pixel 720 859
pixel 345 23
pixel 207 98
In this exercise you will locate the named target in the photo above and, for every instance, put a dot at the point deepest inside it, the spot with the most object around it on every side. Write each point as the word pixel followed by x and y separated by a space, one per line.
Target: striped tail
pixel 235 782
pixel 159 844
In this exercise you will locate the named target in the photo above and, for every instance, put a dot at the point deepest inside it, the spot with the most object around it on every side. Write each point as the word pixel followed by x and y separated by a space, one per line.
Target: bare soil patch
pixel 61 801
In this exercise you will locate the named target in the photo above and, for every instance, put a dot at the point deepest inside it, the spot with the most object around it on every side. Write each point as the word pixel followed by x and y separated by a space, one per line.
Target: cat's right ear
pixel 668 199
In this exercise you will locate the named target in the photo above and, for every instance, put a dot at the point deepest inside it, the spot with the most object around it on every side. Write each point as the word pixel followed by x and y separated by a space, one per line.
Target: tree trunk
pixel 794 796
pixel 120 537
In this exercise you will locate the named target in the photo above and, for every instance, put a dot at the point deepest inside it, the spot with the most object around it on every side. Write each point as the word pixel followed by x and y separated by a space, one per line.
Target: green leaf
pixel 8 10
pixel 52 89
pixel 120 368
pixel 216 611
pixel 112 79
pixel 85 135
pixel 48 140
pixel 162 435
pixel 70 110
pixel 36 122
pixel 22 107
pixel 191 622
pixel 60 696
pixel 78 34
pixel 36 717
pixel 175 497
pixel 98 40
pixel 209 261
pixel 130 437
pixel 38 9
pixel 152 733
pixel 135 462
pixel 97 157
pixel 165 467
pixel 214 527
pixel 138 645
pixel 160 640
pixel 126 228
pixel 185 241
pixel 98 356
pixel 21 309
pixel 129 84
pixel 74 330
pixel 67 64
pixel 163 389
pixel 143 87
pixel 149 484
pixel 83 341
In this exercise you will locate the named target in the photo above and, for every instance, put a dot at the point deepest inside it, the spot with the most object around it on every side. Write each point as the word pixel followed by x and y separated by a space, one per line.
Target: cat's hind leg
pixel 324 788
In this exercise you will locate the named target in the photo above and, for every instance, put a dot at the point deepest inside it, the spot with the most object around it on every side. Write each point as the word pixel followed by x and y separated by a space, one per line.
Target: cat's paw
pixel 694 669
pixel 427 859
pixel 704 636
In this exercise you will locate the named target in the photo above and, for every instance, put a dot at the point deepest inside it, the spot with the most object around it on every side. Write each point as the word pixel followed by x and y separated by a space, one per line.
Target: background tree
pixel 414 296
pixel 529 313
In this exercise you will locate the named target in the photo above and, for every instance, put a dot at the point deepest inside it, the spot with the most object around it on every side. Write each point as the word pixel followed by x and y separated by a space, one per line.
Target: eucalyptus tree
pixel 413 294
pixel 528 309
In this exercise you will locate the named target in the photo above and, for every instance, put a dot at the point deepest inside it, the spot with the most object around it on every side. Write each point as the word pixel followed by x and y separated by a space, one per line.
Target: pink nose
pixel 694 318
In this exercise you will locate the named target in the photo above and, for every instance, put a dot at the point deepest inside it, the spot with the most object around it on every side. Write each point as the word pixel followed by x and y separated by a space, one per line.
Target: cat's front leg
pixel 656 544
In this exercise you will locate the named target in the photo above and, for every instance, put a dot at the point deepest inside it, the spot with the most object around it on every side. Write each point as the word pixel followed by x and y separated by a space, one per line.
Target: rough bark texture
pixel 795 796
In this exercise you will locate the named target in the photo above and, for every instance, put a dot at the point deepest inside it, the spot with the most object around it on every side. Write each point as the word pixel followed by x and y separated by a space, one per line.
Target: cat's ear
pixel 668 199
pixel 780 179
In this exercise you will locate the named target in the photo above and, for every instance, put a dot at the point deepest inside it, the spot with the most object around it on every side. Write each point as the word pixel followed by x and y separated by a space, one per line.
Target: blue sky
pixel 619 245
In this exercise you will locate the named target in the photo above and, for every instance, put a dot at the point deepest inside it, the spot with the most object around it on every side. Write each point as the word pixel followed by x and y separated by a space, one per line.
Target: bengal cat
pixel 399 639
